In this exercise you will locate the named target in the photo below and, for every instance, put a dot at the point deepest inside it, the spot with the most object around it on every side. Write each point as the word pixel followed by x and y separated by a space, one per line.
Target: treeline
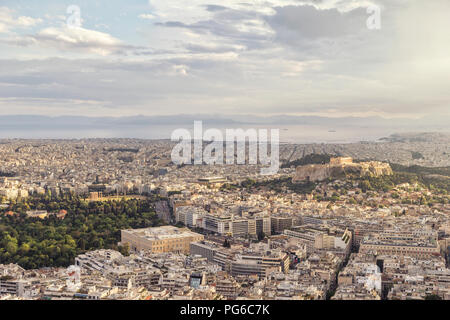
pixel 438 184
pixel 419 170
pixel 308 159
pixel 282 184
pixel 386 183
pixel 52 242
pixel 7 174
pixel 434 178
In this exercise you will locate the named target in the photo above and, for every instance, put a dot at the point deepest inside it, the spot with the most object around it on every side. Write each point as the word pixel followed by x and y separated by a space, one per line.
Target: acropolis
pixel 341 167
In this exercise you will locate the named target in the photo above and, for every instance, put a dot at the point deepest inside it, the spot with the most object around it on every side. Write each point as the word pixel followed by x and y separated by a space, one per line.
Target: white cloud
pixel 76 39
pixel 8 22
pixel 285 56
pixel 147 16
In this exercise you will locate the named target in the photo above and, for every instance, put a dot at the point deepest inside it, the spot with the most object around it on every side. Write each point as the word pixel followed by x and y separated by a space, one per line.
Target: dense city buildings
pixel 256 260
pixel 116 219
pixel 225 150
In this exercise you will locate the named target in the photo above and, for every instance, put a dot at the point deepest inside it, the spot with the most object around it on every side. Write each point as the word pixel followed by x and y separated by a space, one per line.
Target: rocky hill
pixel 341 168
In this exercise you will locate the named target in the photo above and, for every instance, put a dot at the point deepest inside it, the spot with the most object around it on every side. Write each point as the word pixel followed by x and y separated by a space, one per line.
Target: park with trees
pixel 55 242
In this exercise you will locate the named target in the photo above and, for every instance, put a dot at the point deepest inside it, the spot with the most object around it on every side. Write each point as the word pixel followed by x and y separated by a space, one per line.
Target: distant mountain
pixel 81 121
pixel 419 137
pixel 312 128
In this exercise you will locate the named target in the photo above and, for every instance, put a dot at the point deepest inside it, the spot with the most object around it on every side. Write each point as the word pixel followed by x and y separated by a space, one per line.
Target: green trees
pixel 179 224
pixel 226 244
pixel 280 185
pixel 436 178
pixel 308 159
pixel 10 244
pixel 125 249
pixel 52 242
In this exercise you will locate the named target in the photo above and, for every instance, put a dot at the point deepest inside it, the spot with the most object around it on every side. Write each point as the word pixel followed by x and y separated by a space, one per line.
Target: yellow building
pixel 341 160
pixel 160 239
pixel 41 214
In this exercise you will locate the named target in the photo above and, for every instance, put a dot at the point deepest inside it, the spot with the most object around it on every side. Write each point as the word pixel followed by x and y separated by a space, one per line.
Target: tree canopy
pixel 53 242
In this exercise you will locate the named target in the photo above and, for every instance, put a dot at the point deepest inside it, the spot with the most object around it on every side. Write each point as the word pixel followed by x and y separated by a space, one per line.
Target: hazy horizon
pixel 292 129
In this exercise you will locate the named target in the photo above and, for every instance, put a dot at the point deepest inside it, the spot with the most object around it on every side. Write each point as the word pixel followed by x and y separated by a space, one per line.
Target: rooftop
pixel 162 233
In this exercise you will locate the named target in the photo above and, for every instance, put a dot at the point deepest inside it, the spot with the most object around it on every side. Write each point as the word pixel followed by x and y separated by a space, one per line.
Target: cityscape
pixel 224 151
pixel 116 219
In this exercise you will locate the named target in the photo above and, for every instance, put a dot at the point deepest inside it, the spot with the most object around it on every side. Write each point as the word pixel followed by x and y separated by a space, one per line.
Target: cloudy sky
pixel 262 57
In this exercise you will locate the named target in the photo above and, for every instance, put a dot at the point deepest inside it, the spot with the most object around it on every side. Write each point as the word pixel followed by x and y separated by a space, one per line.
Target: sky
pixel 331 58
